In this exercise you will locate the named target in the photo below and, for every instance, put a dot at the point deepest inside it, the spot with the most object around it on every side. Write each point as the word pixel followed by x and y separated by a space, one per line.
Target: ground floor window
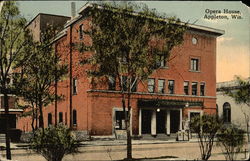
pixel 120 120
pixel 74 117
pixel 60 117
pixel 49 119
pixel 193 115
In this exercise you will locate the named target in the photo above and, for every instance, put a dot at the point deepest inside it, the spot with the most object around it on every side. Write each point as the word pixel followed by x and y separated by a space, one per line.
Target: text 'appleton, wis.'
pixel 222 14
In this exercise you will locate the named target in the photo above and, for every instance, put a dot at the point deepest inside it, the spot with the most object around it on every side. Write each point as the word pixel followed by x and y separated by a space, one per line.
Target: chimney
pixel 73 10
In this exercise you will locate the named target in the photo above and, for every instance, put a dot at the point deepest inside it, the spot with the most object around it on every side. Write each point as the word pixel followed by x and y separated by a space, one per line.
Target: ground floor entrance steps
pixel 2 138
pixel 164 137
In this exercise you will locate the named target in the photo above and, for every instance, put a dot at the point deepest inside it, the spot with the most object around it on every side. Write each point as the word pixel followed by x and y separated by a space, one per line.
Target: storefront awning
pixel 168 103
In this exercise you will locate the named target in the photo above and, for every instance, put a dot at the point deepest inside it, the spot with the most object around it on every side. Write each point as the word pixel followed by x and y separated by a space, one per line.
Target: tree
pixel 206 128
pixel 232 140
pixel 241 95
pixel 38 73
pixel 54 142
pixel 129 41
pixel 12 42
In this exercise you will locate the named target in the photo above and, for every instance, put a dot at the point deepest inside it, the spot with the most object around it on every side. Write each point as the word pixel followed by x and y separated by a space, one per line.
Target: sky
pixel 233 48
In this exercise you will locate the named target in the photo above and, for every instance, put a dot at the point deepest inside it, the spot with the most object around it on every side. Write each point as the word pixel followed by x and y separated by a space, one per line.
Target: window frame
pixel 60 115
pixel 202 90
pixel 227 113
pixel 74 86
pixel 111 85
pixel 196 91
pixel 151 85
pixel 186 87
pixel 81 32
pixel 50 122
pixel 163 89
pixel 194 67
pixel 171 91
pixel 74 117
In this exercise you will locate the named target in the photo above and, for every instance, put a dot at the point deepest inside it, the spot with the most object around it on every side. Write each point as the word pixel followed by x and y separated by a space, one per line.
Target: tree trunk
pixel 41 123
pixel 6 107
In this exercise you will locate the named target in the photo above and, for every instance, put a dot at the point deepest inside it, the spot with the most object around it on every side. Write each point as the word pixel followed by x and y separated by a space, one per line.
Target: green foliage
pixel 231 139
pixel 12 41
pixel 206 127
pixel 39 71
pixel 130 39
pixel 240 94
pixel 54 142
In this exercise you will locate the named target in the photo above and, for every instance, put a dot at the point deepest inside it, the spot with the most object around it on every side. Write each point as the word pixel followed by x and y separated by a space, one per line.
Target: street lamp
pixel 187 104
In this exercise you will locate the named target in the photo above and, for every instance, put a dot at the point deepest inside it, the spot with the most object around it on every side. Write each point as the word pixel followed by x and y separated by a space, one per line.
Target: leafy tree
pixel 206 128
pixel 37 74
pixel 12 42
pixel 232 140
pixel 54 142
pixel 128 42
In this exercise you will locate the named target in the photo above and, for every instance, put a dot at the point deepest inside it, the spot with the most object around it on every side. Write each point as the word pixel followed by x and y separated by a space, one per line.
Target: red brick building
pixel 183 87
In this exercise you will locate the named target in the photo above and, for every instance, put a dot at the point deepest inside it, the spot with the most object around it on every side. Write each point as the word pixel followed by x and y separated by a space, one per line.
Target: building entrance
pixel 174 121
pixel 161 122
pixel 146 121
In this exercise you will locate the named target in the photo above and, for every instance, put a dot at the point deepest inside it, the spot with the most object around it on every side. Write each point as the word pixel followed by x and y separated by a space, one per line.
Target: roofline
pixel 218 32
pixel 44 14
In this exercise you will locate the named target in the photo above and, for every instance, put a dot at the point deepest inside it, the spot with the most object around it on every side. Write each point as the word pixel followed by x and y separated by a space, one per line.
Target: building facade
pixel 229 110
pixel 184 86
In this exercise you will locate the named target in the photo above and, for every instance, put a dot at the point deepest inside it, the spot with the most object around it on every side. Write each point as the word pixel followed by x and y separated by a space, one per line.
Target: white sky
pixel 233 48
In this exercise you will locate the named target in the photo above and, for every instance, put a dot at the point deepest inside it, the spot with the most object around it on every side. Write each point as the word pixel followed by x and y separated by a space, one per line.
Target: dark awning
pixel 167 103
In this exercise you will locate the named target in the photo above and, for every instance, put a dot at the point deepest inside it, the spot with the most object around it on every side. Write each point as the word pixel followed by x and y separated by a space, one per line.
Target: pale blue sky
pixel 233 48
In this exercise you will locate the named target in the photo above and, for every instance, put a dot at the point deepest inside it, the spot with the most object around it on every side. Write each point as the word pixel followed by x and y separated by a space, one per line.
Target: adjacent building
pixel 184 86
pixel 228 109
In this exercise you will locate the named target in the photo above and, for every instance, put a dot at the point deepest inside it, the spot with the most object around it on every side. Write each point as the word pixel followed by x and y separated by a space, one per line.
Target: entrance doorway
pixel 174 121
pixel 161 122
pixel 146 121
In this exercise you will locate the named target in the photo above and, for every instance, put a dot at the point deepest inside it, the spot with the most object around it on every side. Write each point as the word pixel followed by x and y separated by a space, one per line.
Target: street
pixel 116 150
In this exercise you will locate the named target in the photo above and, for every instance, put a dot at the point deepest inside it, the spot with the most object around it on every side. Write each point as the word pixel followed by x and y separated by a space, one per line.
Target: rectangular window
pixel 133 84
pixel 161 86
pixel 124 83
pixel 49 119
pixel 194 64
pixel 202 89
pixel 194 88
pixel 171 86
pixel 60 117
pixel 186 87
pixel 120 120
pixel 74 86
pixel 161 62
pixel 111 83
pixel 81 31
pixel 74 118
pixel 151 85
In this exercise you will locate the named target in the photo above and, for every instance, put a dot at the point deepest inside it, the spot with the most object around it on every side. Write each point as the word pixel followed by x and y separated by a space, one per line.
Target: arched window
pixel 227 112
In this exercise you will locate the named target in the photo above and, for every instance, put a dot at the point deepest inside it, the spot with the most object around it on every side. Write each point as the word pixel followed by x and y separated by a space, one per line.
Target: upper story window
pixel 151 85
pixel 161 86
pixel 194 40
pixel 171 86
pixel 194 64
pixel 81 32
pixel 186 87
pixel 124 83
pixel 202 89
pixel 74 86
pixel 161 62
pixel 133 84
pixel 194 88
pixel 226 112
pixel 111 83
